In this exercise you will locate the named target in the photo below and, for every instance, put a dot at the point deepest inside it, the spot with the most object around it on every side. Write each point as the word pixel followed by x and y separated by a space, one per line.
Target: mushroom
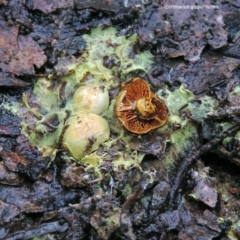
pixel 84 134
pixel 138 109
pixel 91 99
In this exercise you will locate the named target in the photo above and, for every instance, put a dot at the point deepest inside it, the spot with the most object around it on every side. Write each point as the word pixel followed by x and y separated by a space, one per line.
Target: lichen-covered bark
pixel 158 185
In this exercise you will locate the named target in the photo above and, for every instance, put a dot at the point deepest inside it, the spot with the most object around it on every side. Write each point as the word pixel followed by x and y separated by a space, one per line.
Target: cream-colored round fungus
pixel 91 99
pixel 84 134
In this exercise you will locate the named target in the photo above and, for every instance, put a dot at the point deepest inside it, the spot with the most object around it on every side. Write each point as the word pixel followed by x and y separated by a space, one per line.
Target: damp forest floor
pixel 179 182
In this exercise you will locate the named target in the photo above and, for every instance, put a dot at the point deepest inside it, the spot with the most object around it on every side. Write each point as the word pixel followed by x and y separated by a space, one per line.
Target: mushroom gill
pixel 138 109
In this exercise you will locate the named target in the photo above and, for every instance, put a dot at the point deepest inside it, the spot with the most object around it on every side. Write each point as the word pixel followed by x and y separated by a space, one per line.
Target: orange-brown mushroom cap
pixel 138 109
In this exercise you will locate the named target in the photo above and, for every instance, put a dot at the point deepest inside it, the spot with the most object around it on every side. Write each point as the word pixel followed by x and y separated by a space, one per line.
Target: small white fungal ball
pixel 91 99
pixel 85 133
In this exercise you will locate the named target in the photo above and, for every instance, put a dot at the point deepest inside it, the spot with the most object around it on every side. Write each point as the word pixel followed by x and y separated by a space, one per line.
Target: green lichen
pixel 128 159
pixel 231 234
pixel 182 135
pixel 127 190
pixel 200 109
pixel 105 43
pixel 177 99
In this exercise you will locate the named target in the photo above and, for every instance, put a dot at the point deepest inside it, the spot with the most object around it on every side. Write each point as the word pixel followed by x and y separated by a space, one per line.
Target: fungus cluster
pixel 86 130
pixel 138 109
pixel 71 109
